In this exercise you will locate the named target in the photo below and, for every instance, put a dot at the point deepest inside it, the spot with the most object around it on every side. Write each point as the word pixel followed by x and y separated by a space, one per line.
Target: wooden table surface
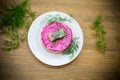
pixel 20 64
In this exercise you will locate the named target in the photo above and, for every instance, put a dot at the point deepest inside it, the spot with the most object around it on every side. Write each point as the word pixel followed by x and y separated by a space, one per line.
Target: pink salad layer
pixel 61 44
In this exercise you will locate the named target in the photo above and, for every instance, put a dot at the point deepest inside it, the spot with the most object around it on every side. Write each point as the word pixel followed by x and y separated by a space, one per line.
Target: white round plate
pixel 38 50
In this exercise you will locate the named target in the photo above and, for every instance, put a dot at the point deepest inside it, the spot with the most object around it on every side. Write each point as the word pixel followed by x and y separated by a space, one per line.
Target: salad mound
pixel 56 36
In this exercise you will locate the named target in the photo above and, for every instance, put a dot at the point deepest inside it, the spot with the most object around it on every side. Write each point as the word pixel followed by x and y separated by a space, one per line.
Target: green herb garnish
pixel 100 33
pixel 72 48
pixel 58 18
pixel 15 16
pixel 13 42
pixel 12 21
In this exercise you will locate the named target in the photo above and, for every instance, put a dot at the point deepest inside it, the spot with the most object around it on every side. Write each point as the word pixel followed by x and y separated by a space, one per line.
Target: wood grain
pixel 21 64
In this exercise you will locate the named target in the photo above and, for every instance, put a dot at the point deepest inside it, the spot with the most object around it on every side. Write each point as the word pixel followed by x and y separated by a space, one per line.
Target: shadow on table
pixel 115 74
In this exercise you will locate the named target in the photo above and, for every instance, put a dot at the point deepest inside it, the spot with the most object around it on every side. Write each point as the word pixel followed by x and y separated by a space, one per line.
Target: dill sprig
pixel 58 18
pixel 13 42
pixel 100 33
pixel 15 15
pixel 72 48
pixel 14 19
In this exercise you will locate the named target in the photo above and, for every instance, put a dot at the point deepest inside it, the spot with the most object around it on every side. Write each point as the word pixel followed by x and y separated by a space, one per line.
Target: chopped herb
pixel 100 33
pixel 72 48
